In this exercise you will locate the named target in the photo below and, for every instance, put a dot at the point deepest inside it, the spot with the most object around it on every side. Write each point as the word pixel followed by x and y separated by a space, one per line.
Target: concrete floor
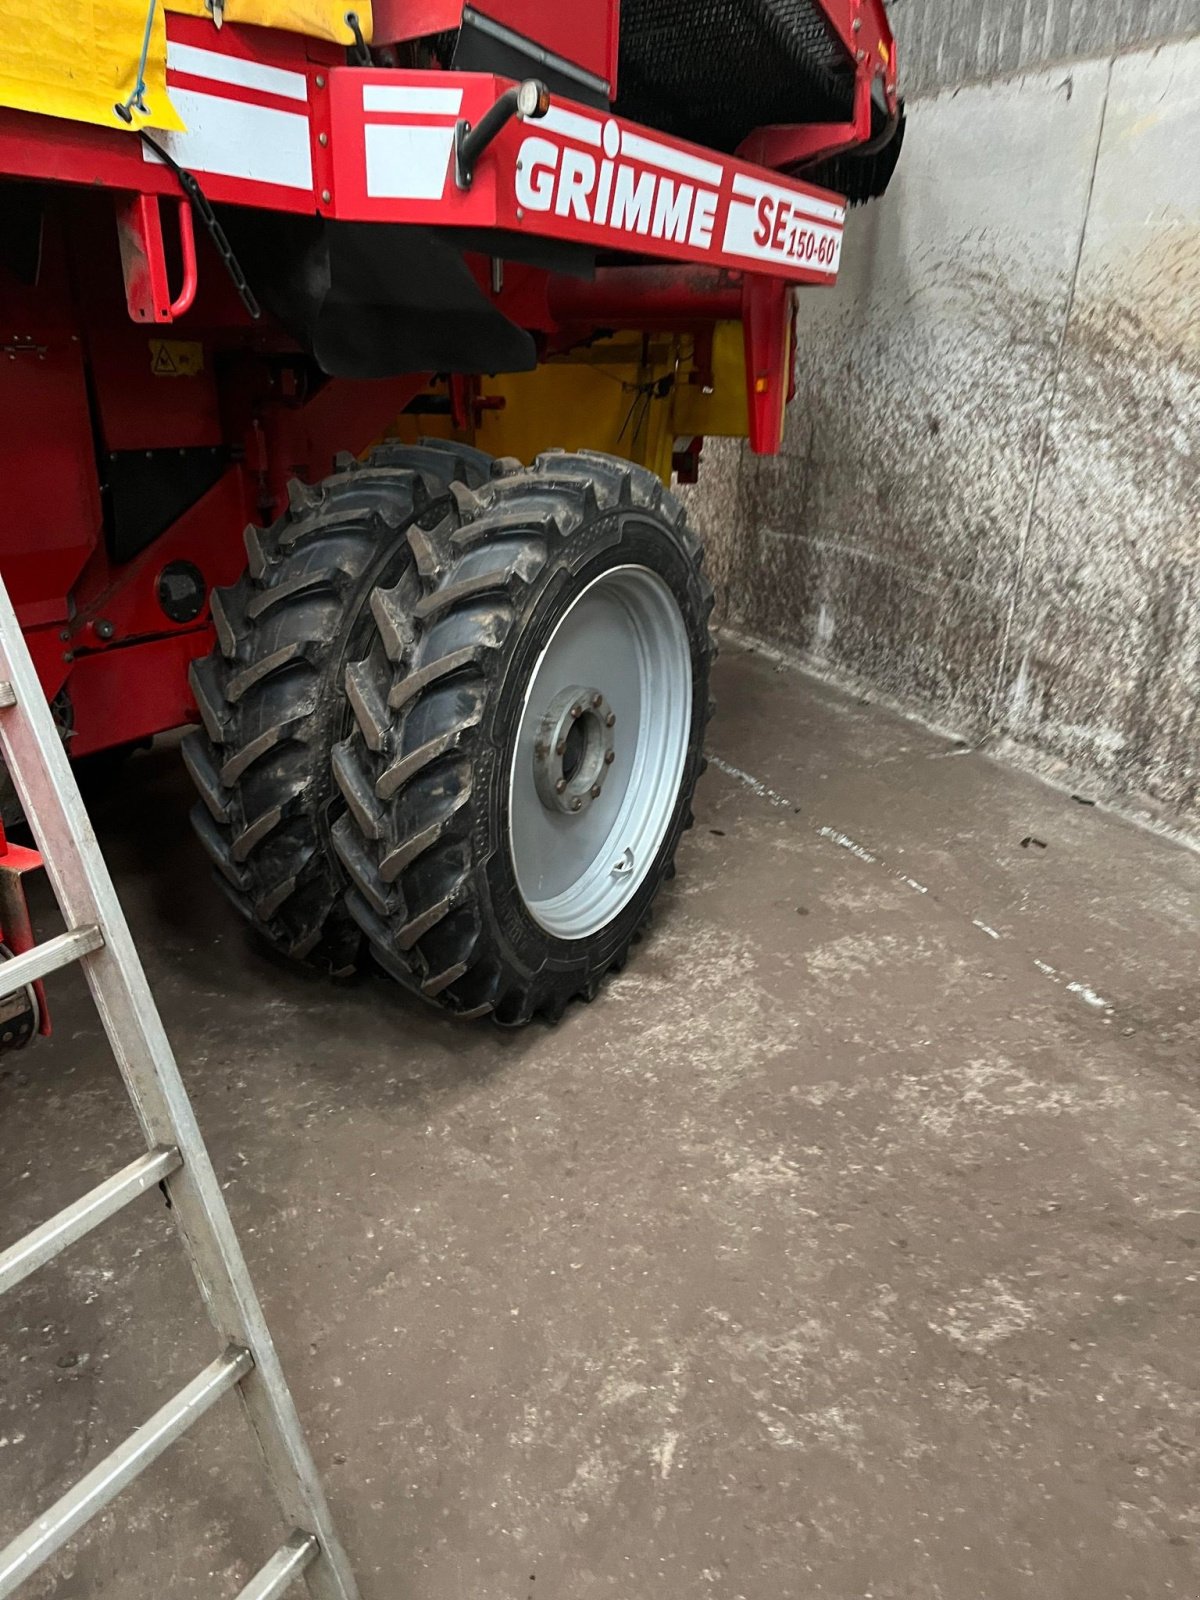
pixel 847 1246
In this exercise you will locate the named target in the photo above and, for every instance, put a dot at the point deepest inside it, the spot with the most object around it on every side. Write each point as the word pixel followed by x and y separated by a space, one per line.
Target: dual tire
pixel 455 717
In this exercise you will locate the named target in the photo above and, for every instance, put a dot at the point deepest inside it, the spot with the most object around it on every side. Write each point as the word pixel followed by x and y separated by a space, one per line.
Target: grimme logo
pixel 612 193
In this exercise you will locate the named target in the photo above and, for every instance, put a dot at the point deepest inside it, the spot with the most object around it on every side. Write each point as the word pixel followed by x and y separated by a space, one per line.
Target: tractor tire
pixel 528 733
pixel 271 695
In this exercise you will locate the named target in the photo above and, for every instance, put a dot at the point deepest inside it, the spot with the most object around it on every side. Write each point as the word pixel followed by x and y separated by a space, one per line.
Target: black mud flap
pixel 370 300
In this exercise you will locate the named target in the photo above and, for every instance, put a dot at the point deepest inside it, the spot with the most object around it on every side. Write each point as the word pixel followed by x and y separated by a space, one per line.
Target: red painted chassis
pixel 280 123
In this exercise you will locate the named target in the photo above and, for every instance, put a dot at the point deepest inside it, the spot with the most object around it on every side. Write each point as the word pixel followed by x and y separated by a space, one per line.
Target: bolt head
pixel 610 719
pixel 560 747
pixel 597 701
pixel 577 710
pixel 576 804
pixel 560 786
pixel 609 757
pixel 595 791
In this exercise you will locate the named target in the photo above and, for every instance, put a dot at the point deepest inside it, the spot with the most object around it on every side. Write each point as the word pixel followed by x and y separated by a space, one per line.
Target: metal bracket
pixel 529 101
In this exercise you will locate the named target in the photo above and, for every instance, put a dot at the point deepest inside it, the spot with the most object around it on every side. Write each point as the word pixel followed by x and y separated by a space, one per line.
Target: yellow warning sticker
pixel 176 358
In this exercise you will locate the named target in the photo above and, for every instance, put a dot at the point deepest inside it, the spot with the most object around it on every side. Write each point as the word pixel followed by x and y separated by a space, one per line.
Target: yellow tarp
pixel 319 19
pixel 79 58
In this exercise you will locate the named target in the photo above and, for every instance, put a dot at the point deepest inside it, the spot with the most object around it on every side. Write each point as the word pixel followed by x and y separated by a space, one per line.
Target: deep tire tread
pixel 272 697
pixel 435 659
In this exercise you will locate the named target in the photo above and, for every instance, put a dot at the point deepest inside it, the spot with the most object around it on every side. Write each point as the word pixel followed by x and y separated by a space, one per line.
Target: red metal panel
pixel 125 695
pixel 576 174
pixel 584 32
pixel 247 96
pixel 387 156
pixel 412 19
pixel 51 500
pixel 784 146
pixel 125 597
pixel 766 320
pixel 138 410
pixel 647 297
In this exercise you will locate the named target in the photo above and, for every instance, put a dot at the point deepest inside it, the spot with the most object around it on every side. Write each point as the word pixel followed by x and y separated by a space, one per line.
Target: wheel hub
pixel 588 811
pixel 574 750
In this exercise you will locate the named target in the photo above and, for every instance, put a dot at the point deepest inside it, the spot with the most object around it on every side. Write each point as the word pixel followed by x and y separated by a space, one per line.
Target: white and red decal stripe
pixel 409 139
pixel 767 222
pixel 617 180
pixel 245 119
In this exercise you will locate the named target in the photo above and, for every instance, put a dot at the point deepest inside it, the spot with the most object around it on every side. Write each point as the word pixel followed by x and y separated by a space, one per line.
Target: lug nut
pixel 560 785
pixel 609 757
pixel 597 701
pixel 576 803
pixel 595 791
pixel 610 719
pixel 576 711
pixel 560 747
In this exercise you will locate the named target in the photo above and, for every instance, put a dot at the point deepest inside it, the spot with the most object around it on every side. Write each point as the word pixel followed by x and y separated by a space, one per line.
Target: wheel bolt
pixel 609 757
pixel 597 701
pixel 576 803
pixel 595 791
pixel 610 719
pixel 576 711
pixel 560 747
pixel 560 785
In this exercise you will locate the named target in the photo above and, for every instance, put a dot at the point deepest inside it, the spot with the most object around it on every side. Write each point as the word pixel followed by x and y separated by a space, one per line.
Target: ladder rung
pixel 46 958
pixel 7 694
pixel 84 1214
pixel 282 1570
pixel 94 1491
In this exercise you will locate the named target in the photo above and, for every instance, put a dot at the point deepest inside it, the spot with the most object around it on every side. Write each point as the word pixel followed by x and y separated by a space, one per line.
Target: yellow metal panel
pixel 598 399
pixel 723 414
pixel 79 59
pixel 319 19
pixel 605 397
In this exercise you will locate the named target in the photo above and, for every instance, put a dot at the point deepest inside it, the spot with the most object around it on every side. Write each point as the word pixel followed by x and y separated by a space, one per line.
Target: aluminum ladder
pixel 98 938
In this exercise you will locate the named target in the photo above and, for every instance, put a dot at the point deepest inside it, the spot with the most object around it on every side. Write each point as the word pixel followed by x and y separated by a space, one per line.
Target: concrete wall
pixel 946 43
pixel 988 504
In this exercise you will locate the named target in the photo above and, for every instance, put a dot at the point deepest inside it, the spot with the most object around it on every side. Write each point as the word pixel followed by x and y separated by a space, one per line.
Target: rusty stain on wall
pixel 988 503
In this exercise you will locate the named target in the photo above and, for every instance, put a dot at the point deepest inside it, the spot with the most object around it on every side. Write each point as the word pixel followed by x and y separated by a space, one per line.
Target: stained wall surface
pixel 988 505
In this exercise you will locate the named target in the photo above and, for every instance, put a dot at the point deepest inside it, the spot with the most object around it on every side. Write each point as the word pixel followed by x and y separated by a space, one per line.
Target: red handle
pixel 187 249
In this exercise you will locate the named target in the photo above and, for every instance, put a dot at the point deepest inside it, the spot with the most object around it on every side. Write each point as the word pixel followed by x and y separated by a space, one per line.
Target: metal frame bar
pixel 33 753
pixel 88 1212
pixel 49 957
pixel 104 1482
pixel 282 1570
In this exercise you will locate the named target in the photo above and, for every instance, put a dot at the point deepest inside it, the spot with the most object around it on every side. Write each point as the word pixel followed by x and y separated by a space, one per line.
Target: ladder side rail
pixel 38 765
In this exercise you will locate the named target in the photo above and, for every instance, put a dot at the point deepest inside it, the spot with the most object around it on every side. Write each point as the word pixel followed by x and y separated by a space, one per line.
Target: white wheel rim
pixel 624 644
